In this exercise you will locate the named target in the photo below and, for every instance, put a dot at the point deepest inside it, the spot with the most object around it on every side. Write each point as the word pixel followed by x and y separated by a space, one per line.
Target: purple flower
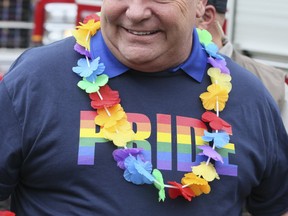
pixel 219 63
pixel 211 153
pixel 80 49
pixel 120 155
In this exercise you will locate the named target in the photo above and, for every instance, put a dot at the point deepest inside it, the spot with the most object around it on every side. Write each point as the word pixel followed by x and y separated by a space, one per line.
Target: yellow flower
pixel 198 185
pixel 120 126
pixel 85 31
pixel 108 117
pixel 91 25
pixel 219 78
pixel 120 139
pixel 114 125
pixel 215 98
pixel 120 134
pixel 208 172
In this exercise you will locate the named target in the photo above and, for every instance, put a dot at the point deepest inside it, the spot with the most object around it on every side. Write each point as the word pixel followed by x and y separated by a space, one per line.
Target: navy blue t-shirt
pixel 54 161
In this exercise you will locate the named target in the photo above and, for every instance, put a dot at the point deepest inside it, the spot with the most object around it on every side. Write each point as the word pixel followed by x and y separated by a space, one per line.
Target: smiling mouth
pixel 142 33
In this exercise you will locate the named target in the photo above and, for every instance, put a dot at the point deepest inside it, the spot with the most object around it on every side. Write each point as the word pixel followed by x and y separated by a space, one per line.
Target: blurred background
pixel 29 23
pixel 258 28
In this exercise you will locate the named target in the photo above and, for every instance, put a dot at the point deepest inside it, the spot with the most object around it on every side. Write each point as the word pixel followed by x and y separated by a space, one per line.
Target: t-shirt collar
pixel 194 66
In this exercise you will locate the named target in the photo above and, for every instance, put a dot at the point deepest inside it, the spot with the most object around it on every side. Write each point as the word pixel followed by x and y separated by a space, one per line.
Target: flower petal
pixel 108 117
pixel 80 49
pixel 138 172
pixel 208 172
pixel 215 98
pixel 186 192
pixel 219 78
pixel 198 185
pixel 211 153
pixel 216 123
pixel 109 98
pixel 219 63
pixel 120 155
pixel 220 139
pixel 159 184
pixel 205 37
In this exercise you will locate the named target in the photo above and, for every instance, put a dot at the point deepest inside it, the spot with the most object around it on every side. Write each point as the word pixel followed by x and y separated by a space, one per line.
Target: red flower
pixel 95 17
pixel 215 122
pixel 6 213
pixel 109 98
pixel 186 192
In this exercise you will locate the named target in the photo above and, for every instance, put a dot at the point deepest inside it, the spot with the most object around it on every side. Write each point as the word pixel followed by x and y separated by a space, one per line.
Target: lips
pixel 141 33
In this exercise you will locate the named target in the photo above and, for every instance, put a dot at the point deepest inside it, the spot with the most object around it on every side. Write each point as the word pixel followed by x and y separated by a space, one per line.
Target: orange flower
pixel 198 185
pixel 108 117
pixel 215 98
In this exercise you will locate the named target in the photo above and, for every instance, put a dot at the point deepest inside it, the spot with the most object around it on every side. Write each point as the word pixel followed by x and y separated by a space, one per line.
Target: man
pixel 139 117
pixel 272 78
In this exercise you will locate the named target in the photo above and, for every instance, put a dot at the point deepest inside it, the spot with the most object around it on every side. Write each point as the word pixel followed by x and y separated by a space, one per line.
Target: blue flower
pixel 212 50
pixel 219 139
pixel 89 69
pixel 137 171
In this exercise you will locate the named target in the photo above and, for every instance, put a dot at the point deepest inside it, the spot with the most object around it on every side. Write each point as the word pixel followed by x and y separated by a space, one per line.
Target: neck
pixel 218 34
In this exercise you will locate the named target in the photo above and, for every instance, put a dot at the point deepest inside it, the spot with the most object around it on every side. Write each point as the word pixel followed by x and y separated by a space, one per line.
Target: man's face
pixel 149 35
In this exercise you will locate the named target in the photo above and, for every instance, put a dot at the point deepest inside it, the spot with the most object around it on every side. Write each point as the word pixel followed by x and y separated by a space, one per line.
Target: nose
pixel 138 10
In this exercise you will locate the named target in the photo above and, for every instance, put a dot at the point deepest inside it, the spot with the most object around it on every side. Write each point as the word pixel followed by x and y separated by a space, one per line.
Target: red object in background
pixel 39 18
pixel 83 8
pixel 286 79
pixel 7 213
pixel 1 77
pixel 39 15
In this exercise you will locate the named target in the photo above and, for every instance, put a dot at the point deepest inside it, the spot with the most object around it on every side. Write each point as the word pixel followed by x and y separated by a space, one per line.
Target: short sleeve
pixel 10 144
pixel 270 197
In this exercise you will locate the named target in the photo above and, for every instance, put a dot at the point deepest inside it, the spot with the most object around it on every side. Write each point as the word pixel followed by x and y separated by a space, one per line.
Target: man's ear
pixel 208 17
pixel 200 8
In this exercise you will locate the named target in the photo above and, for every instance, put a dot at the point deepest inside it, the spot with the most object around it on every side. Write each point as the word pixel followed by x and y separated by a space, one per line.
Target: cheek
pixel 111 10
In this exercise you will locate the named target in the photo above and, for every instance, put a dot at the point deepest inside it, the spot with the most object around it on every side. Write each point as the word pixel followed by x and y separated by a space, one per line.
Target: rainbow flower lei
pixel 115 127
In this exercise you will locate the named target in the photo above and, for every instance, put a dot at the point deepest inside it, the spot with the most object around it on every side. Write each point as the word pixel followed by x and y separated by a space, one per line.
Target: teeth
pixel 140 33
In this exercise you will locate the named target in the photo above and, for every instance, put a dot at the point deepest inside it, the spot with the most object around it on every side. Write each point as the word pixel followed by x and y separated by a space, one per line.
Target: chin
pixel 139 56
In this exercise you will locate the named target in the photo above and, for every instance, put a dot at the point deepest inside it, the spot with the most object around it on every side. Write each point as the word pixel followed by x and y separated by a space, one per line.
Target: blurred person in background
pixel 273 78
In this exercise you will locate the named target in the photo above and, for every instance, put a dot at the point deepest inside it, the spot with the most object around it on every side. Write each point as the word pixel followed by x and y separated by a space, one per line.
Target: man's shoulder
pixel 44 60
pixel 257 67
pixel 46 54
pixel 57 48
pixel 273 78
